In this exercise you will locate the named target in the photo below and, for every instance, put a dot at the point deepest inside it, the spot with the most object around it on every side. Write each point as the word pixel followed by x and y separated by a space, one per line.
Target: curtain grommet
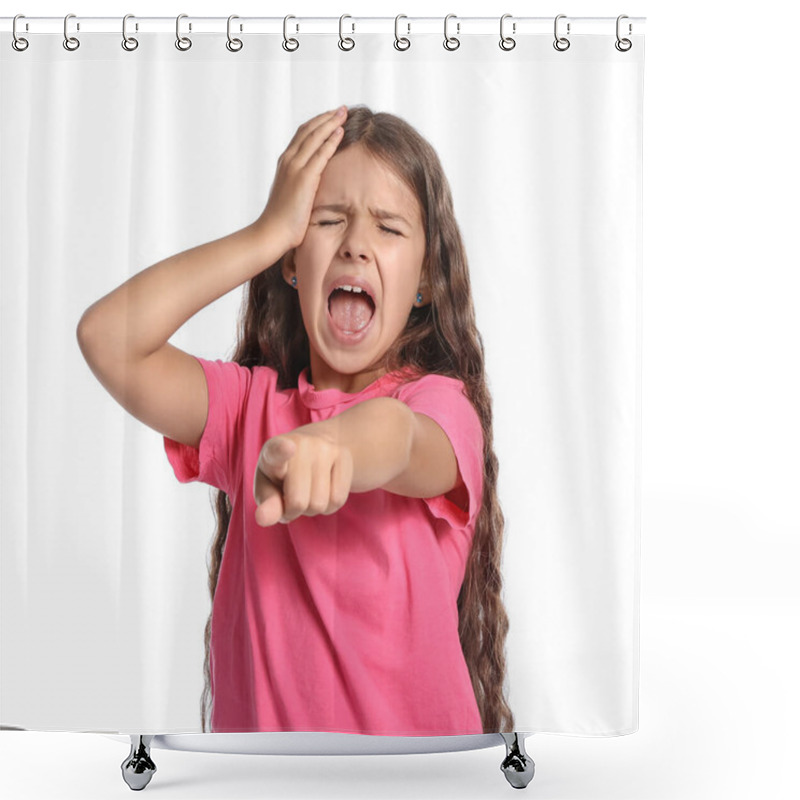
pixel 345 42
pixel 129 43
pixel 233 45
pixel 19 43
pixel 289 44
pixel 401 42
pixel 451 42
pixel 561 43
pixel 506 42
pixel 70 42
pixel 183 43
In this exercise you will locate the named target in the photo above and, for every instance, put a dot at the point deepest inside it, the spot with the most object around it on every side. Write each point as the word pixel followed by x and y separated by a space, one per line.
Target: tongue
pixel 350 312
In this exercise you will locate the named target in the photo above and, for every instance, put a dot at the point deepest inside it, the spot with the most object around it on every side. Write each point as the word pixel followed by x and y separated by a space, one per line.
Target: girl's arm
pixel 394 448
pixel 124 335
pixel 380 443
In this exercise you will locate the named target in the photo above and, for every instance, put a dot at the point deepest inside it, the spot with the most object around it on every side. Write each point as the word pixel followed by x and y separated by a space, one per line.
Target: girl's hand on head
pixel 297 177
pixel 301 473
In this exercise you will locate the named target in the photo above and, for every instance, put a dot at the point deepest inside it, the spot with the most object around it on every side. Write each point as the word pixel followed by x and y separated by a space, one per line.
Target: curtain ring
pixel 401 43
pixel 234 45
pixel 350 43
pixel 623 45
pixel 506 42
pixel 129 43
pixel 290 45
pixel 181 42
pixel 451 42
pixel 18 43
pixel 70 42
pixel 560 40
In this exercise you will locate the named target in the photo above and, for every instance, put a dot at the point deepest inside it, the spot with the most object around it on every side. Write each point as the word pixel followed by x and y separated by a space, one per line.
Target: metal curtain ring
pixel 451 42
pixel 234 45
pixel 401 43
pixel 506 42
pixel 623 45
pixel 560 40
pixel 18 43
pixel 70 42
pixel 350 44
pixel 181 42
pixel 128 42
pixel 289 45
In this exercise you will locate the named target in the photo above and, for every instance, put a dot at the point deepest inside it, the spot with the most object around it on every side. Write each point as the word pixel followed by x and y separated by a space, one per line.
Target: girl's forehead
pixel 355 177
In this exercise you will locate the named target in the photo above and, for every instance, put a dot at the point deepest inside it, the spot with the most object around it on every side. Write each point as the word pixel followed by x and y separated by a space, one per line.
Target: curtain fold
pixel 111 161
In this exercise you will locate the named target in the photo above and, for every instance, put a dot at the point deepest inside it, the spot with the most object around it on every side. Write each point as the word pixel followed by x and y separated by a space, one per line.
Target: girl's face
pixel 365 231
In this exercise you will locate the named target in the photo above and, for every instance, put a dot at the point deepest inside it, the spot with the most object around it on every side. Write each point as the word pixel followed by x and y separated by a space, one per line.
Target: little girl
pixel 355 576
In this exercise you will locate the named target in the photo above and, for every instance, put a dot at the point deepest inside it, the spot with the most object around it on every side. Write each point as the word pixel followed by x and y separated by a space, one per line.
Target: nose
pixel 355 244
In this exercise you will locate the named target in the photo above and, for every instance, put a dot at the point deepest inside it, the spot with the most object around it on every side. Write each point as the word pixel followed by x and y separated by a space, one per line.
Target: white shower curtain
pixel 112 161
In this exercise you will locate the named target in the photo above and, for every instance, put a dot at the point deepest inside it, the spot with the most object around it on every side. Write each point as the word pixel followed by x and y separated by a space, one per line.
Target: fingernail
pixel 340 112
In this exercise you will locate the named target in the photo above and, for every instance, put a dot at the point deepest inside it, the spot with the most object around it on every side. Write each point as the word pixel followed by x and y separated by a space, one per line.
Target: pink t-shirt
pixel 347 622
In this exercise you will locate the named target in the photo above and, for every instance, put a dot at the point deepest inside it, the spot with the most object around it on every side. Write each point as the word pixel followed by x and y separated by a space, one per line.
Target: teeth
pixel 355 289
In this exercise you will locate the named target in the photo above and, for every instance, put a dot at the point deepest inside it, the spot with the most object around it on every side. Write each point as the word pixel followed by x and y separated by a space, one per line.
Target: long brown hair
pixel 442 338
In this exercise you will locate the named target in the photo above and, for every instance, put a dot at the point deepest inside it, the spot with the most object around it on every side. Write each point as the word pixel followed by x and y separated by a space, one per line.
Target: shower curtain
pixel 117 157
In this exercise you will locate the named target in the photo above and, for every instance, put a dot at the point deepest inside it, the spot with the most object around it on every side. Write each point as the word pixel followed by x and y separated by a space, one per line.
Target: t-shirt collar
pixel 326 398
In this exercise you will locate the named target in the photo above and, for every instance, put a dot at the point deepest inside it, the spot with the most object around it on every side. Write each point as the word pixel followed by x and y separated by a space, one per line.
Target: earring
pixel 294 280
pixel 419 297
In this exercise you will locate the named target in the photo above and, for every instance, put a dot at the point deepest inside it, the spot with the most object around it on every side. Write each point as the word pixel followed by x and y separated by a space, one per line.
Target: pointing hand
pixel 302 473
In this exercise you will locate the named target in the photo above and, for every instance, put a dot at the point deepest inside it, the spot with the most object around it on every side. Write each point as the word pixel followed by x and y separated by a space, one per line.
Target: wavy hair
pixel 441 337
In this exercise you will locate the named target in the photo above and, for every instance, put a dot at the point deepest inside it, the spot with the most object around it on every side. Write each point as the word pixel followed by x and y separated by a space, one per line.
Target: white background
pixel 721 435
pixel 555 267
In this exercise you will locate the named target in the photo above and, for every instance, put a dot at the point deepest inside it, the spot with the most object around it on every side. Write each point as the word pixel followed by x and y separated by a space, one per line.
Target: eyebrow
pixel 377 212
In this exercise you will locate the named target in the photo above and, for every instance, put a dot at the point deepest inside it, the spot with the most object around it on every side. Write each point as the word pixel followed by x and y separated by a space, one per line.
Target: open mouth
pixel 351 309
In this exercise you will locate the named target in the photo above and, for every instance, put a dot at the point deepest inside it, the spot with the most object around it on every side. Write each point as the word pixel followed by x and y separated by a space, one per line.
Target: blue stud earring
pixel 419 297
pixel 294 280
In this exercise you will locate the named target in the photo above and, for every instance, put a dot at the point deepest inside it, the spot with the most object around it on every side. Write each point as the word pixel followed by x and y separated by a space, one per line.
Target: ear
pixel 424 286
pixel 288 269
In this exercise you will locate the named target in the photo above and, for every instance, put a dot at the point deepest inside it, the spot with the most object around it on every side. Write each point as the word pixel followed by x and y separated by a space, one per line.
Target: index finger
pixel 273 460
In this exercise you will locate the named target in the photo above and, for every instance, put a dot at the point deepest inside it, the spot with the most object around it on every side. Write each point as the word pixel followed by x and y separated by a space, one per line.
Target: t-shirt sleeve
pixel 443 400
pixel 212 461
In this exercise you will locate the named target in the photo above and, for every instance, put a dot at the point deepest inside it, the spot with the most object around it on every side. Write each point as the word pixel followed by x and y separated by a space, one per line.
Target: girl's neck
pixel 322 377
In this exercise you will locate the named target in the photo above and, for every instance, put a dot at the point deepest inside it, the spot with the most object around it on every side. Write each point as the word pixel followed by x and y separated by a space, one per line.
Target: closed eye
pixel 337 221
